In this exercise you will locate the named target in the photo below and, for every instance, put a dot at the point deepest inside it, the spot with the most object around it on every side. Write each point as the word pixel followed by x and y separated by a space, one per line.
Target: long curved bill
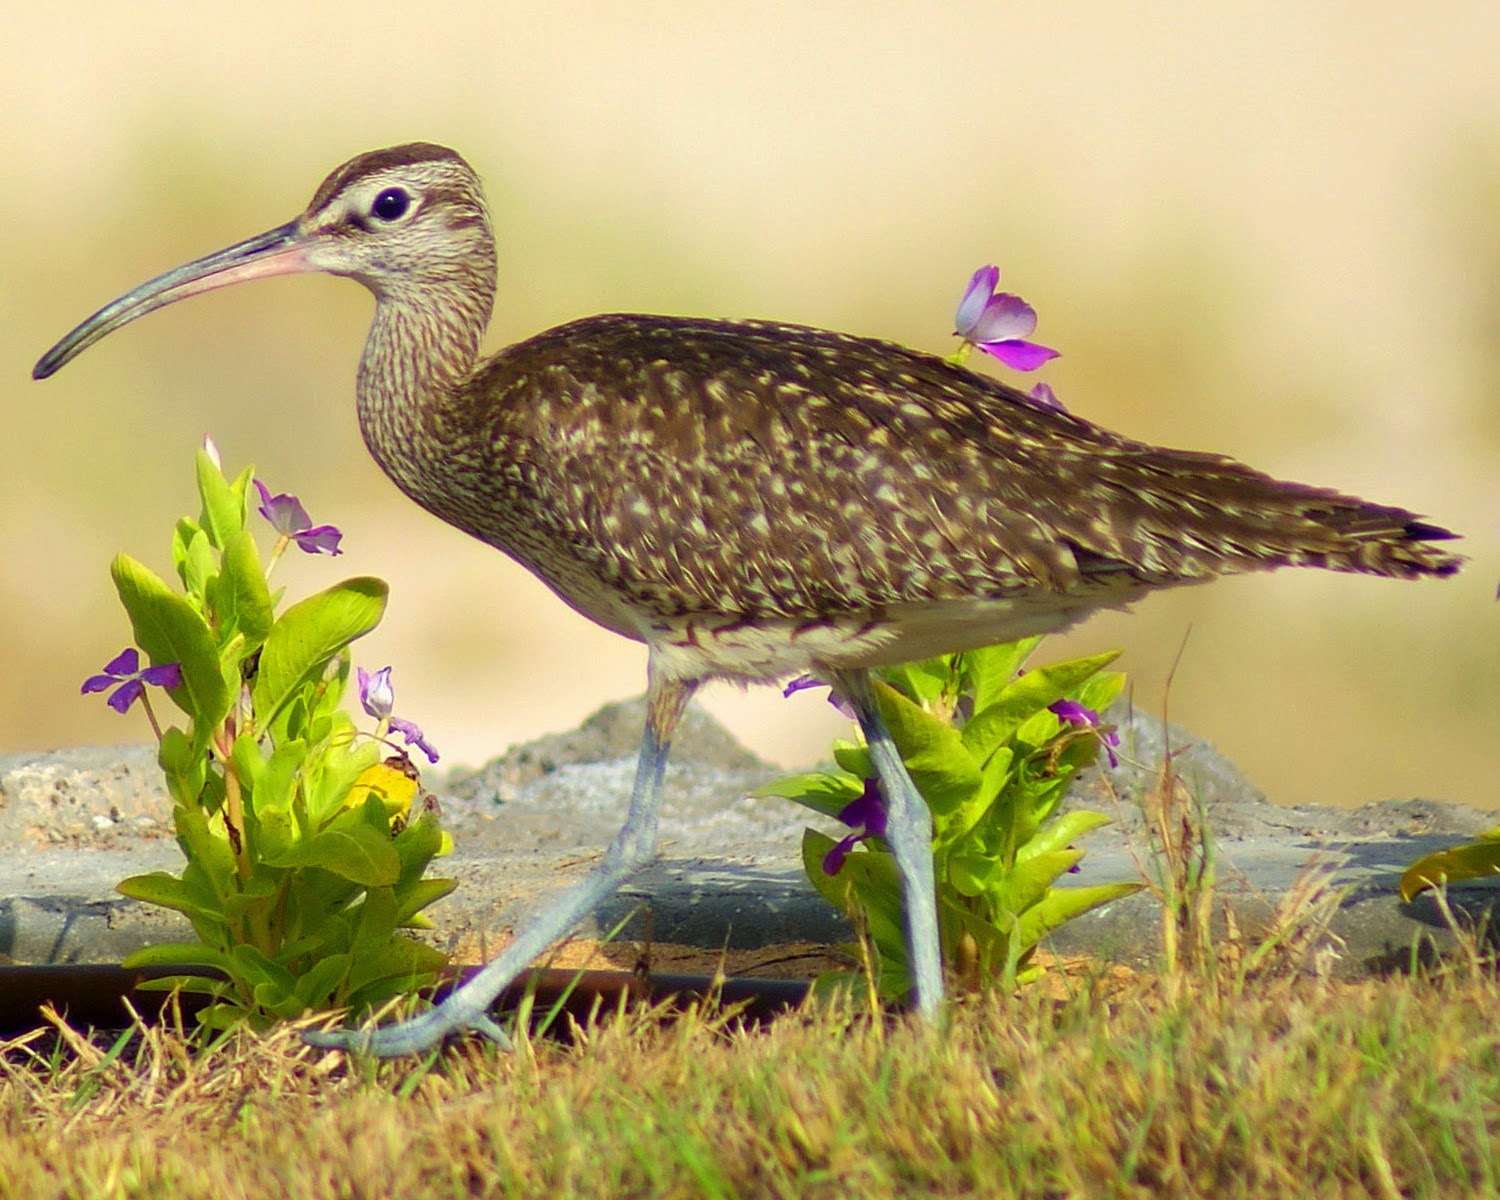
pixel 279 251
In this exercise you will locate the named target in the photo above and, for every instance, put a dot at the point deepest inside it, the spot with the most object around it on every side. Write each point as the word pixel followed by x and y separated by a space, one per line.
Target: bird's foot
pixel 413 1036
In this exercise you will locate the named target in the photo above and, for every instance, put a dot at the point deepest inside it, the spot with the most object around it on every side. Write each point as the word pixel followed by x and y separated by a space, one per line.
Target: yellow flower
pixel 394 782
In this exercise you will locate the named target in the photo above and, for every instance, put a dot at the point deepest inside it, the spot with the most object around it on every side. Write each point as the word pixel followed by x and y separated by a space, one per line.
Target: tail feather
pixel 1183 516
pixel 1378 540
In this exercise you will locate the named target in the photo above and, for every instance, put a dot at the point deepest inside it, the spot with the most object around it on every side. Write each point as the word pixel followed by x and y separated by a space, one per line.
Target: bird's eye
pixel 391 204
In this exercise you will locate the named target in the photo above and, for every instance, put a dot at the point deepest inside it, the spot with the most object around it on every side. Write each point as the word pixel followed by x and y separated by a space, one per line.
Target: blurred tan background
pixel 1270 230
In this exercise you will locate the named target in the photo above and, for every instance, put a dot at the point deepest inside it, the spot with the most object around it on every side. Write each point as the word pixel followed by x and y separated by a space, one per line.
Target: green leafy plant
pixel 305 840
pixel 1479 859
pixel 992 749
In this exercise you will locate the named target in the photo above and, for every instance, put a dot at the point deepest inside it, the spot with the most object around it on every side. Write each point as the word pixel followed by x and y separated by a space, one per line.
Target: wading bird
pixel 753 500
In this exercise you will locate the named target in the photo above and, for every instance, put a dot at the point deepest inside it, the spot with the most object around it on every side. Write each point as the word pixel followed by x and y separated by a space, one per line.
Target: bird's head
pixel 405 222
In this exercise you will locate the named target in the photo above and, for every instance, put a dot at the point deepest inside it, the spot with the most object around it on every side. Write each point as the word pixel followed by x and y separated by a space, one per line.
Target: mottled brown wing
pixel 705 466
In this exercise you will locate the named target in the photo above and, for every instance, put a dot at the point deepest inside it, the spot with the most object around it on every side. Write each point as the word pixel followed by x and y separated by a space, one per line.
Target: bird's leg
pixel 631 849
pixel 908 829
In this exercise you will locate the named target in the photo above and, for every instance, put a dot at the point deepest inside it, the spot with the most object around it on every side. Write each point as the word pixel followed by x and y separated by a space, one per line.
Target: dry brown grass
pixel 1297 1086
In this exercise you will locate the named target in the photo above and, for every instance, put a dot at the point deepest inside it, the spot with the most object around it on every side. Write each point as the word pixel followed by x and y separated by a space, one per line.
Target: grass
pixel 1240 1069
pixel 1295 1086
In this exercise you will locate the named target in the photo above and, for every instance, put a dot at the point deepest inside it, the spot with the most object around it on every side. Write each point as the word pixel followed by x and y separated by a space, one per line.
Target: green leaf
pixel 1102 690
pixel 988 672
pixel 820 791
pixel 317 987
pixel 193 558
pixel 993 778
pixel 334 773
pixel 275 782
pixel 1025 697
pixel 209 918
pixel 195 985
pixel 418 844
pixel 374 931
pixel 971 874
pixel 922 682
pixel 324 717
pixel 184 765
pixel 868 883
pixel 223 502
pixel 1038 729
pixel 1035 801
pixel 854 757
pixel 204 849
pixel 379 953
pixel 240 596
pixel 170 630
pixel 177 954
pixel 163 890
pixel 255 896
pixel 1062 832
pixel 332 933
pixel 1016 890
pixel 274 831
pixel 308 635
pixel 355 852
pixel 1054 681
pixel 939 764
pixel 412 899
pixel 1061 905
pixel 990 942
pixel 833 888
pixel 988 731
pixel 401 965
pixel 1477 860
pixel 279 1002
pixel 259 970
pixel 226 1016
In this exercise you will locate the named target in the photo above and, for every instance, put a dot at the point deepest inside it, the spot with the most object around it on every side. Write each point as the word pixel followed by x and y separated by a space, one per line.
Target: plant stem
pixel 234 803
pixel 257 918
pixel 276 551
pixel 151 717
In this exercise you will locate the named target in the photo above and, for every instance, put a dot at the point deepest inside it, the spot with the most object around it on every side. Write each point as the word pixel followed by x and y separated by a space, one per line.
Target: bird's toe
pixel 414 1036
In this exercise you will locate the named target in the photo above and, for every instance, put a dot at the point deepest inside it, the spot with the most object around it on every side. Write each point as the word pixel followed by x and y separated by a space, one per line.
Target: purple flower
pixel 999 323
pixel 377 697
pixel 865 814
pixel 1046 397
pixel 803 682
pixel 414 737
pixel 290 520
pixel 124 674
pixel 1070 712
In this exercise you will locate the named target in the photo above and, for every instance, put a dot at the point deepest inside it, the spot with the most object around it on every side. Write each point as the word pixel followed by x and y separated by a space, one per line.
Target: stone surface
pixel 77 821
pixel 97 796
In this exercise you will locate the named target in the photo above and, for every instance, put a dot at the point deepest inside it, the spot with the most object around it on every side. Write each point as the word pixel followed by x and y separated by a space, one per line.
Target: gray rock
pixel 59 904
pixel 94 796
pixel 76 821
pixel 614 732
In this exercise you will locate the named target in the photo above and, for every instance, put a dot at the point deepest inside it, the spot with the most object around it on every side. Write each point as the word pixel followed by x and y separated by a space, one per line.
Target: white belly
pixel 717 647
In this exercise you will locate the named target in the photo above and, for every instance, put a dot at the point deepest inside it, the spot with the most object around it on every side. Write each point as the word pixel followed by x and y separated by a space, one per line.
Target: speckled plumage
pixel 753 498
